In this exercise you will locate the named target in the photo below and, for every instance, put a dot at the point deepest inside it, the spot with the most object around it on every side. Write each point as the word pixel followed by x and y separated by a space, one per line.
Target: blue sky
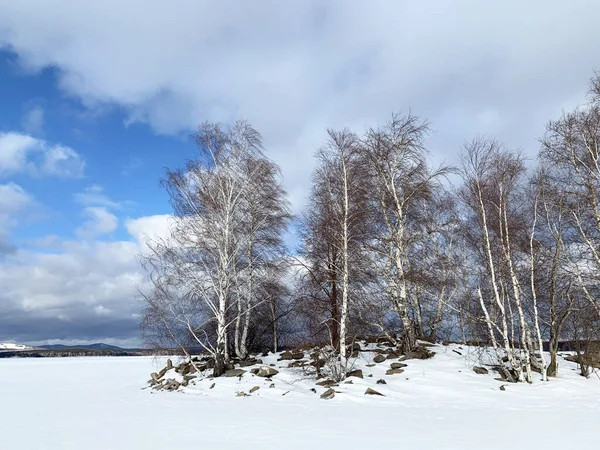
pixel 96 99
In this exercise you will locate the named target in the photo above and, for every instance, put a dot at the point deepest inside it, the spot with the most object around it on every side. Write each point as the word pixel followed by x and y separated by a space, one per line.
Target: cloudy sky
pixel 97 97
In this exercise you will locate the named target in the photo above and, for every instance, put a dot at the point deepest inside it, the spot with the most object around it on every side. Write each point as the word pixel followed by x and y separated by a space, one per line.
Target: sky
pixel 98 98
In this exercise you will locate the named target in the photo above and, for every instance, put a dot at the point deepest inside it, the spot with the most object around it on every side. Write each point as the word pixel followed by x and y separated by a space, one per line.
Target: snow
pixel 104 403
pixel 12 346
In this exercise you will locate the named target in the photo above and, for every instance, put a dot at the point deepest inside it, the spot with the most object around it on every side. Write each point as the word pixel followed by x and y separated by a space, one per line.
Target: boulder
pixel 254 389
pixel 234 373
pixel 162 372
pixel 393 355
pixel 286 356
pixel 379 359
pixel 355 373
pixel 394 371
pixel 297 355
pixel 169 364
pixel 480 370
pixel 398 365
pixel 328 394
pixel 370 391
pixel 327 383
pixel 266 371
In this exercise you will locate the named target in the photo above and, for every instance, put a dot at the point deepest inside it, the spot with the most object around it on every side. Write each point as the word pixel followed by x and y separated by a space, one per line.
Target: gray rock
pixel 328 394
pixel 480 370
pixel 266 371
pixel 398 365
pixel 169 364
pixel 254 389
pixel 370 391
pixel 355 373
pixel 234 373
pixel 381 382
pixel 379 358
pixel 394 371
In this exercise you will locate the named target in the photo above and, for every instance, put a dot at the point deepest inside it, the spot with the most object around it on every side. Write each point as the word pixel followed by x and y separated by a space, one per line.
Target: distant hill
pixel 97 346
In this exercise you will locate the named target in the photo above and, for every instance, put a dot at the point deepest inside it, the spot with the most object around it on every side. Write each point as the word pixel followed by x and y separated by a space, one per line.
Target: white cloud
pixel 94 196
pixel 33 120
pixel 100 222
pixel 295 68
pixel 81 290
pixel 24 153
pixel 15 204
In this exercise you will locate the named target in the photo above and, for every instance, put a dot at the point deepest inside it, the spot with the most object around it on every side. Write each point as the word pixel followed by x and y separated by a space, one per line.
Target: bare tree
pixel 403 188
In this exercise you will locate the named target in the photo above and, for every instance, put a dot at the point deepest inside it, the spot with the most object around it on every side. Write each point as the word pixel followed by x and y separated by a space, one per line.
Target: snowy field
pixel 99 403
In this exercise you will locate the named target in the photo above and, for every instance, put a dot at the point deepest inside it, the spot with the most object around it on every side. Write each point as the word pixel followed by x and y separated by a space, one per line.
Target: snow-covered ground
pixel 100 403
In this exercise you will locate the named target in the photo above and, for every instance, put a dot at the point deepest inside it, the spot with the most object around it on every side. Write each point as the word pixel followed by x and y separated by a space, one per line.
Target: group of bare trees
pixel 508 256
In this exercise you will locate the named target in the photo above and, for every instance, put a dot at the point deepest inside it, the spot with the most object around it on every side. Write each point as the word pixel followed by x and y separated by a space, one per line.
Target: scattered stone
pixel 355 373
pixel 286 356
pixel 248 362
pixel 254 389
pixel 480 370
pixel 229 366
pixel 393 355
pixel 313 390
pixel 398 365
pixel 348 382
pixel 169 364
pixel 370 391
pixel 272 385
pixel 162 372
pixel 379 359
pixel 212 385
pixel 394 371
pixel 297 355
pixel 381 381
pixel 419 353
pixel 241 394
pixel 234 373
pixel 327 383
pixel 266 371
pixel 154 376
pixel 502 388
pixel 328 394
pixel 371 365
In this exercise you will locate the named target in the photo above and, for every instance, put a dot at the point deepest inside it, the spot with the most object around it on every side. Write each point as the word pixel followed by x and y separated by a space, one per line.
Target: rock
pixel 355 373
pixel 286 356
pixel 212 386
pixel 229 366
pixel 328 394
pixel 254 389
pixel 266 371
pixel 169 364
pixel 371 365
pixel 398 365
pixel 162 372
pixel 502 388
pixel 297 355
pixel 381 382
pixel 298 364
pixel 379 359
pixel 394 371
pixel 370 391
pixel 313 390
pixel 154 376
pixel 419 353
pixel 327 383
pixel 393 355
pixel 248 362
pixel 480 370
pixel 234 373
pixel 349 382
pixel 272 385
pixel 241 394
